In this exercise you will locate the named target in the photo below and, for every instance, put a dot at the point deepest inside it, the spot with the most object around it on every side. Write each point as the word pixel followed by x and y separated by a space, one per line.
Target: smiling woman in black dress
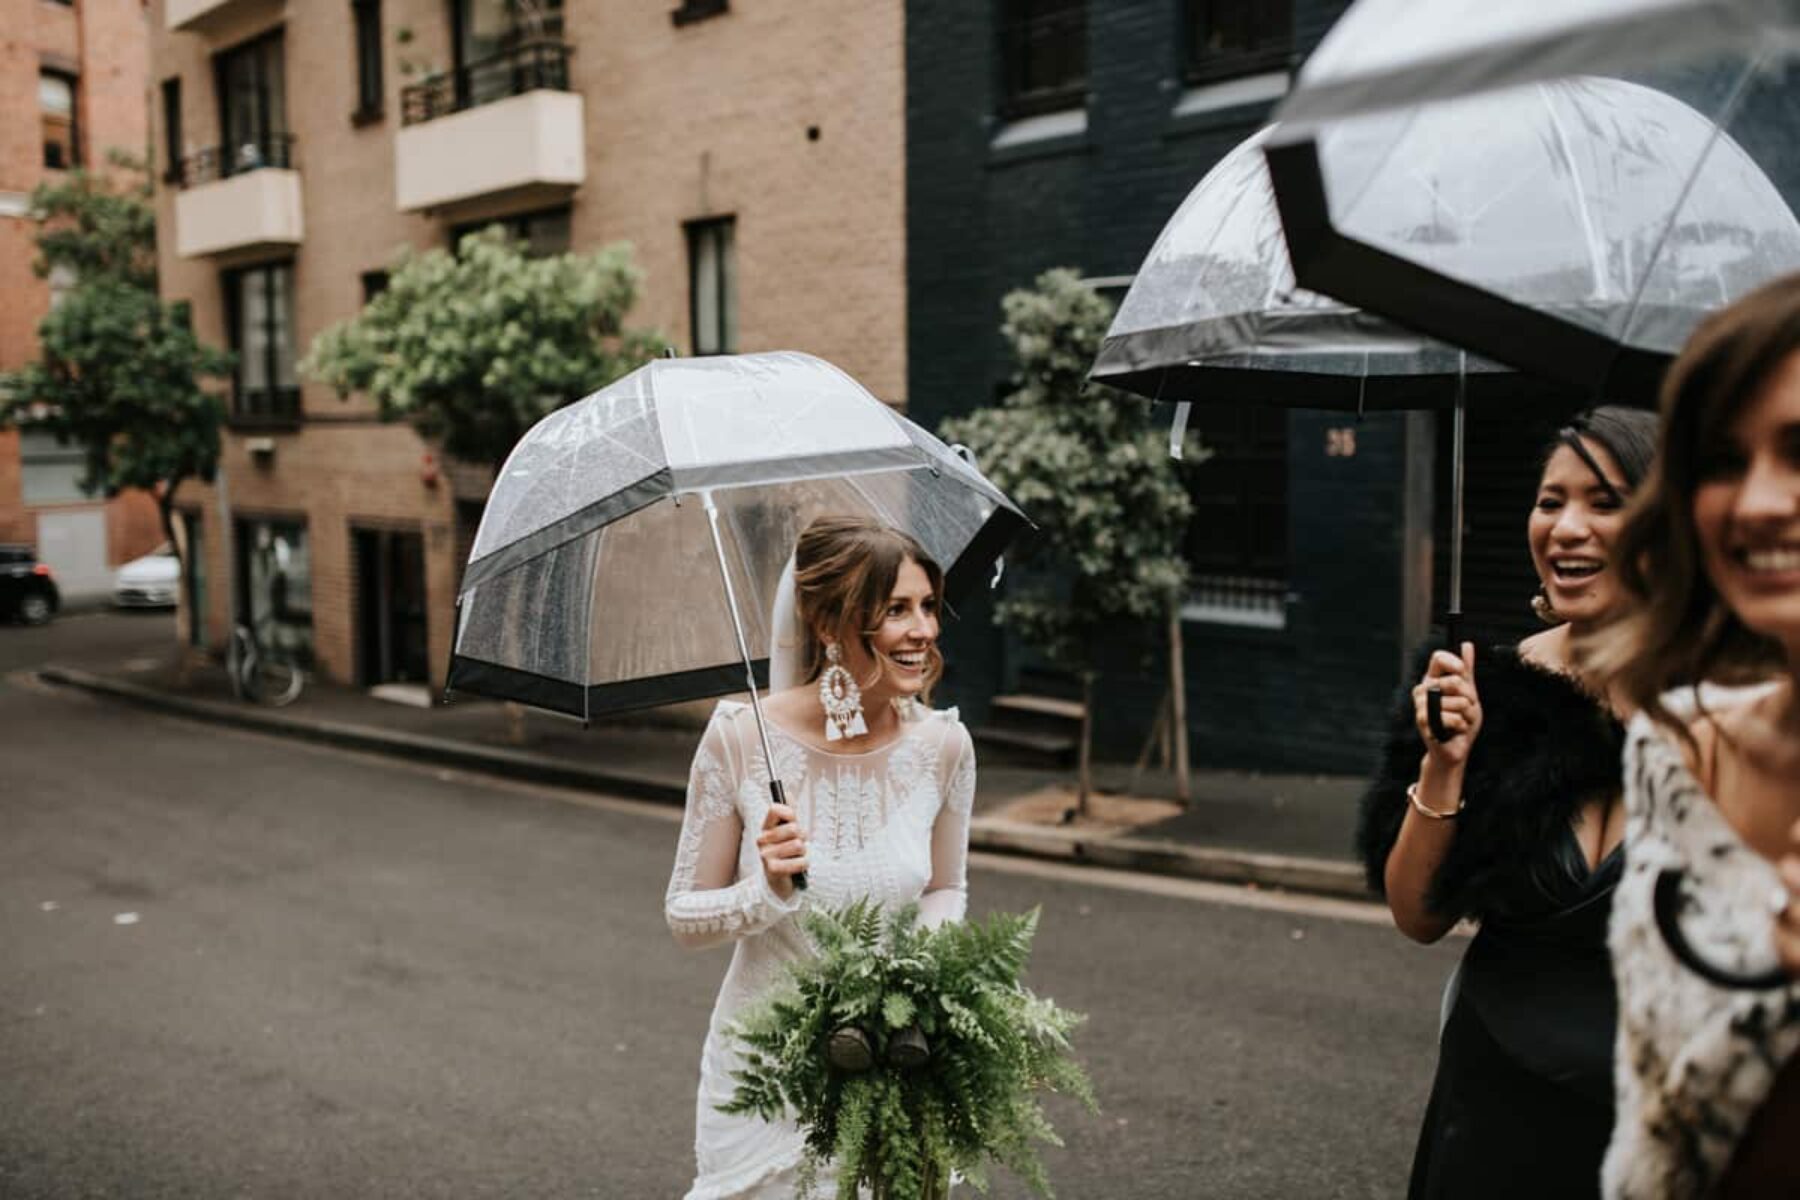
pixel 1515 823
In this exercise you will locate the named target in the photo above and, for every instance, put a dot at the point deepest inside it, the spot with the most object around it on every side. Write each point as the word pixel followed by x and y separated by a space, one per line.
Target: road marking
pixel 1191 890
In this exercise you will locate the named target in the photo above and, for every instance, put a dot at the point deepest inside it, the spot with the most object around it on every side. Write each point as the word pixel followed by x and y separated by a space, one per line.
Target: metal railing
pixel 265 406
pixel 522 69
pixel 1237 600
pixel 219 162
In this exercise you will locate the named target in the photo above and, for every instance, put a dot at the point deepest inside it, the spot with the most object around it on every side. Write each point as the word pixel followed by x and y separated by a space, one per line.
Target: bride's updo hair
pixel 844 573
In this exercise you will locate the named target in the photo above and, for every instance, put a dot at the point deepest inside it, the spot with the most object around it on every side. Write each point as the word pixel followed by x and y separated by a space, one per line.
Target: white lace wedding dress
pixel 891 824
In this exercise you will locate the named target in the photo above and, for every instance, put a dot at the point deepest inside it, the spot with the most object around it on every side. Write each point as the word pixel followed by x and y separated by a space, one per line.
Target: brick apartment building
pixel 1048 133
pixel 752 152
pixel 72 78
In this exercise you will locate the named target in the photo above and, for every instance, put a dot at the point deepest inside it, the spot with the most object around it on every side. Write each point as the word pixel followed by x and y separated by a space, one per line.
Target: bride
pixel 879 791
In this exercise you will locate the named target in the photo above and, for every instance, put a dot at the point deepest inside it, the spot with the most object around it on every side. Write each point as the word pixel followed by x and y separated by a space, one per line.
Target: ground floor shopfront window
pixel 275 585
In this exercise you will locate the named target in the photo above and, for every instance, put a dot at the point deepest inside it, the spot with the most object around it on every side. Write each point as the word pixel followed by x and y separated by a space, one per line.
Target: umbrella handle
pixel 1434 699
pixel 1666 902
pixel 780 797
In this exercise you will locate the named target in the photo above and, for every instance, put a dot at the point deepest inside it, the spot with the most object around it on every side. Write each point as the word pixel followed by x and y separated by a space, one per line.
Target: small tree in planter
pixel 474 348
pixel 1085 463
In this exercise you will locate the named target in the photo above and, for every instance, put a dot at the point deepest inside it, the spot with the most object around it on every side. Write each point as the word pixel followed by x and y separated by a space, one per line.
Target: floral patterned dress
pixel 891 824
pixel 1694 1060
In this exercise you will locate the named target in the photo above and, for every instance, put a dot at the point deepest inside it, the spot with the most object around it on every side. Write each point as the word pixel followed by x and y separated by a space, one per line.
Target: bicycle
pixel 265 677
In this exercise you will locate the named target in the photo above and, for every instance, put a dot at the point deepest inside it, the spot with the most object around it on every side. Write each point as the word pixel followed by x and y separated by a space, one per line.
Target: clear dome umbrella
pixel 1578 227
pixel 1215 314
pixel 634 540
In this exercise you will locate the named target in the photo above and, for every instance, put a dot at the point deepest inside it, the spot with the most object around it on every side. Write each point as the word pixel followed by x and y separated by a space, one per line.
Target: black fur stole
pixel 1545 748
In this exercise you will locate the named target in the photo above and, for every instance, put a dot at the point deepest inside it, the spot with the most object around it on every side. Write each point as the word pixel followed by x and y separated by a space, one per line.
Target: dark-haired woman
pixel 1709 1078
pixel 1514 822
pixel 880 789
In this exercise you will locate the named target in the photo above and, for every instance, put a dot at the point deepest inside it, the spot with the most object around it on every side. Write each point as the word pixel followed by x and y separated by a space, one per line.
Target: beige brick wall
pixel 681 123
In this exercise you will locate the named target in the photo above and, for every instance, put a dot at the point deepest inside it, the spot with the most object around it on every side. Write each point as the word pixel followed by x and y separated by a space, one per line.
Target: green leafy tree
pixel 1085 463
pixel 475 347
pixel 119 373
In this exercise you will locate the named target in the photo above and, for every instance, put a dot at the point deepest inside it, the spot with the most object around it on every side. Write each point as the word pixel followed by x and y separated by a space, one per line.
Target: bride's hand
pixel 783 849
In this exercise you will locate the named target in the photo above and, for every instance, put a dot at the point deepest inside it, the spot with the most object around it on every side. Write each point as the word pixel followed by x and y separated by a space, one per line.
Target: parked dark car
pixel 27 589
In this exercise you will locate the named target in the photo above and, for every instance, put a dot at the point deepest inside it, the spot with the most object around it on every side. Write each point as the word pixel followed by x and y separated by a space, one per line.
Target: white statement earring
pixel 841 698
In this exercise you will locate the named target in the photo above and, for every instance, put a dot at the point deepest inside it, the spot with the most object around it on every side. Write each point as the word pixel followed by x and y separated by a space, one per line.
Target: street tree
pixel 1084 463
pixel 475 347
pixel 119 371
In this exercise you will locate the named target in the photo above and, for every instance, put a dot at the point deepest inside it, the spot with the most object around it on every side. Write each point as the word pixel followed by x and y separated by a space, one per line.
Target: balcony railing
pixel 221 162
pixel 517 71
pixel 265 407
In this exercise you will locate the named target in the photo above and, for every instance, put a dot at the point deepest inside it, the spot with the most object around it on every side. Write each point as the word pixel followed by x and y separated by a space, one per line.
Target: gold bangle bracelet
pixel 1412 796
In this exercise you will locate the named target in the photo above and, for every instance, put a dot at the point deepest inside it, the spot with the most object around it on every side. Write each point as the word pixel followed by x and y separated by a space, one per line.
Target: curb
pixel 443 752
pixel 995 835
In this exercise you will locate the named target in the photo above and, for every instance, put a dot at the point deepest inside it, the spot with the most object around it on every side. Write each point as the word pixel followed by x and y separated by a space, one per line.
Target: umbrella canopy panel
pixel 585 600
pixel 1400 53
pixel 679 426
pixel 1577 228
pixel 1215 313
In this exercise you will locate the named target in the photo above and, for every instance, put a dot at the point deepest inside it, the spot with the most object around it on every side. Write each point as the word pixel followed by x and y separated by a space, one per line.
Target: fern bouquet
pixel 906 1053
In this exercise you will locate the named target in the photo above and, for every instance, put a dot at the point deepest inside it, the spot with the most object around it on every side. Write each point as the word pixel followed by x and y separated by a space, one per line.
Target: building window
pixel 171 115
pixel 698 10
pixel 1237 540
pixel 712 286
pixel 259 303
pixel 253 107
pixel 49 471
pixel 373 284
pixel 1043 56
pixel 1231 38
pixel 56 101
pixel 274 585
pixel 366 15
pixel 545 233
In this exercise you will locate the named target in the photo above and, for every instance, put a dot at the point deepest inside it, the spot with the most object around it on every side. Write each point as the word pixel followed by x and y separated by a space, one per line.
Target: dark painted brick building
pixel 1046 133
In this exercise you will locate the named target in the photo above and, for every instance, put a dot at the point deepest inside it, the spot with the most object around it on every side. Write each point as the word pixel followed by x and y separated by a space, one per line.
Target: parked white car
pixel 153 581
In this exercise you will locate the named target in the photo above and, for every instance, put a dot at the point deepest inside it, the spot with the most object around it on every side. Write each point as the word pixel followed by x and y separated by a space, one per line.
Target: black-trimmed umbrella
pixel 633 541
pixel 1215 314
pixel 1576 226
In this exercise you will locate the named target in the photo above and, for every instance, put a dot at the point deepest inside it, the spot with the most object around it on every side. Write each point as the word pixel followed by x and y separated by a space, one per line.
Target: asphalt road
pixel 234 966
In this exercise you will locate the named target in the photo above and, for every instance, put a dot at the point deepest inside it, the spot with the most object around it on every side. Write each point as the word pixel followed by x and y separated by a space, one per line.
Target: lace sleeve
pixel 946 896
pixel 707 903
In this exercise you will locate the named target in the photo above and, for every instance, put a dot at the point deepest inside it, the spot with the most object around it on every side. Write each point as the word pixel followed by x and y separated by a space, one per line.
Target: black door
pixel 390 567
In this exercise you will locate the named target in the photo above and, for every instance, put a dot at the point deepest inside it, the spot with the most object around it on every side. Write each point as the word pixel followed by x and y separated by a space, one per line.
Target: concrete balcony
pixel 210 16
pixel 247 201
pixel 500 130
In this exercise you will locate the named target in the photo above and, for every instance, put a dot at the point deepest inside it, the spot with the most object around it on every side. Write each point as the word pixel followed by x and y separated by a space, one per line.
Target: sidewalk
pixel 1277 831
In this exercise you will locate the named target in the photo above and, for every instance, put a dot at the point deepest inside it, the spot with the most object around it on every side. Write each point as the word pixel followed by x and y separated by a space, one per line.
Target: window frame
pixel 1200 68
pixel 73 80
pixel 517 226
pixel 272 143
pixel 371 76
pixel 173 133
pixel 1249 586
pixel 1011 40
pixel 281 403
pixel 724 282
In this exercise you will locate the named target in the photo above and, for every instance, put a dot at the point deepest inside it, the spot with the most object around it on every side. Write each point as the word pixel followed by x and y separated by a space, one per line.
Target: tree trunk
pixel 1178 728
pixel 1084 774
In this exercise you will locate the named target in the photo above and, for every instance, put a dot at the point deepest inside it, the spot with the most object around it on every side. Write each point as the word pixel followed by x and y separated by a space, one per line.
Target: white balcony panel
pixel 257 208
pixel 209 17
pixel 533 141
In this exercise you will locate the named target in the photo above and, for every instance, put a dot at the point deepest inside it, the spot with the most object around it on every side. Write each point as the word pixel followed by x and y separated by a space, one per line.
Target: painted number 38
pixel 1340 443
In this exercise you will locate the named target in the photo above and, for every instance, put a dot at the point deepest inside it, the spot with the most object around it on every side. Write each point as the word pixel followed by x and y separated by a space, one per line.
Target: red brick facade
pixel 104 45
